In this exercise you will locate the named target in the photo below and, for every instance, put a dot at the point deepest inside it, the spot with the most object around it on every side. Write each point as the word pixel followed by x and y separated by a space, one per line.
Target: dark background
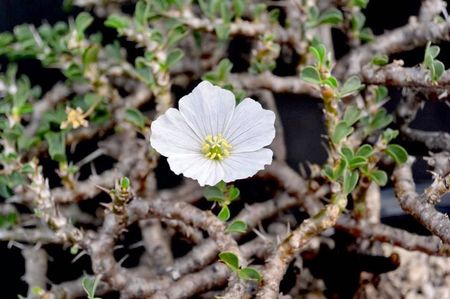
pixel 301 116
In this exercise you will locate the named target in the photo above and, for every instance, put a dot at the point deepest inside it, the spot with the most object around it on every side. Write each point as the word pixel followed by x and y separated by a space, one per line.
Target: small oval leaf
pixel 230 259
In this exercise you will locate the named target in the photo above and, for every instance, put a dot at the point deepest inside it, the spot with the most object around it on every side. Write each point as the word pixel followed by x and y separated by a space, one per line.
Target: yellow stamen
pixel 75 118
pixel 216 147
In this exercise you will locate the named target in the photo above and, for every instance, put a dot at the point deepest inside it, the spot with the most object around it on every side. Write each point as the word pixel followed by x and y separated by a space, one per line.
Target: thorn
pixel 106 205
pixel 78 256
pixel 260 235
pixel 93 170
pixel 123 259
pixel 103 188
pixel 118 247
pixel 137 245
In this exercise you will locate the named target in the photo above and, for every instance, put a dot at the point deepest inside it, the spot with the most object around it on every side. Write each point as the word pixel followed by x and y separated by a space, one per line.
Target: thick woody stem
pixel 274 83
pixel 35 269
pixel 278 262
pixel 395 75
pixel 192 216
pixel 405 38
pixel 207 251
pixel 383 233
pixel 417 205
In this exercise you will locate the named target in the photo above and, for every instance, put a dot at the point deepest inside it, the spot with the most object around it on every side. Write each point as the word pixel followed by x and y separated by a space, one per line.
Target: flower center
pixel 216 147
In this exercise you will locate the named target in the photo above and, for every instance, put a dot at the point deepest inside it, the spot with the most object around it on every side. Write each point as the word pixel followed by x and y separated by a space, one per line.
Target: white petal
pixel 208 109
pixel 243 165
pixel 170 135
pixel 251 127
pixel 196 166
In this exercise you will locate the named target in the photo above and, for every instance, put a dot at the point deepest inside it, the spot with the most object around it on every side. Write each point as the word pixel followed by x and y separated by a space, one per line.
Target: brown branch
pixel 273 83
pixel 417 205
pixel 405 38
pixel 207 251
pixel 294 185
pixel 212 276
pixel 100 246
pixel 157 245
pixel 383 233
pixel 239 27
pixel 432 140
pixel 278 262
pixel 32 236
pixel 395 75
pixel 35 269
pixel 192 216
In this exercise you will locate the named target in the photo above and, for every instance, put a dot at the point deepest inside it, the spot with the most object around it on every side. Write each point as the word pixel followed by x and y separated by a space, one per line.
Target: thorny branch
pixel 162 214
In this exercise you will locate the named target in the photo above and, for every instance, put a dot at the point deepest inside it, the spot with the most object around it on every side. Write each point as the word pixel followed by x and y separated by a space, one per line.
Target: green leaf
pixel 378 176
pixel 220 74
pixel 313 14
pixel 230 259
pixel 433 51
pixel 90 286
pixel 233 193
pixel 212 193
pixel 175 34
pixel 5 39
pixel 347 153
pixel 352 114
pixel 328 172
pixel 221 186
pixel 350 181
pixel 5 189
pixel 174 56
pixel 56 146
pixel 360 3
pixel 439 69
pixel 380 93
pixel 25 142
pixel 389 135
pixel 90 55
pixel 225 12
pixel 274 15
pixel 239 7
pixel 74 72
pixel 331 16
pixel 339 171
pixel 37 291
pixel 143 71
pixel 82 22
pixel 222 31
pixel 124 183
pixel 249 274
pixel 358 20
pixel 357 161
pixel 397 152
pixel 224 214
pixel 117 22
pixel 8 221
pixel 135 117
pixel 310 75
pixel 380 59
pixel 141 12
pixel 352 85
pixel 366 35
pixel 237 226
pixel 365 150
pixel 319 51
pixel 341 131
pixel 380 120
pixel 331 81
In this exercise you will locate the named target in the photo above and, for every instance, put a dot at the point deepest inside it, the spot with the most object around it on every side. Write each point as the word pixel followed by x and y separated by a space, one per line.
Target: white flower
pixel 211 139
